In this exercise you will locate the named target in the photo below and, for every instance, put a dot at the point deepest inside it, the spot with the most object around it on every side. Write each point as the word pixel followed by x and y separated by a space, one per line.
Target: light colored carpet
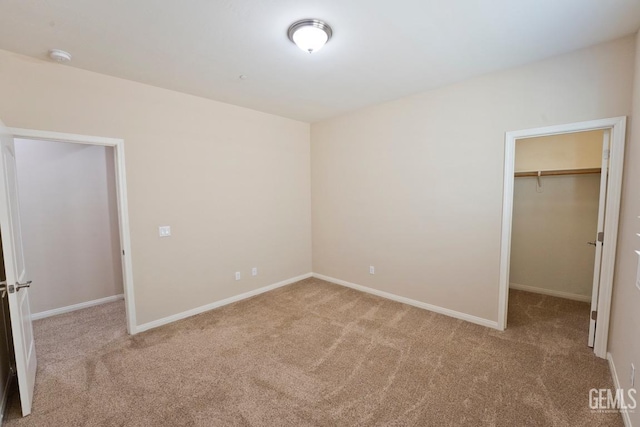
pixel 318 354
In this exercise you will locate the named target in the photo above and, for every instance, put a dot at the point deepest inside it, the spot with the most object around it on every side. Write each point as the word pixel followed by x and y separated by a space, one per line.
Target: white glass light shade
pixel 310 39
pixel 310 35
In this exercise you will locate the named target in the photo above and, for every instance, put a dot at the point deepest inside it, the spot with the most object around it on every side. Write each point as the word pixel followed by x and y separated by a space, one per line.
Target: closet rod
pixel 559 172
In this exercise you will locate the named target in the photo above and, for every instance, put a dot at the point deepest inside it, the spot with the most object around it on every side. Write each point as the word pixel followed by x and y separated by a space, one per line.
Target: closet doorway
pixel 560 216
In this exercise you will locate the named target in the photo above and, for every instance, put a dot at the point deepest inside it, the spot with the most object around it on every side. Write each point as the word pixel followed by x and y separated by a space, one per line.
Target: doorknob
pixel 11 288
pixel 592 243
pixel 23 285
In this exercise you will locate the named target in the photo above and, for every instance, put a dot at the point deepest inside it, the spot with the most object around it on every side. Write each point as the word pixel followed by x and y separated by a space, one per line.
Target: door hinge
pixel 594 315
pixel 601 236
pixel 605 154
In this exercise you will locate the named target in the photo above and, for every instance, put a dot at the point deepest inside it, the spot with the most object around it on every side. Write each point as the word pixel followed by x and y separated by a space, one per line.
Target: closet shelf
pixel 582 171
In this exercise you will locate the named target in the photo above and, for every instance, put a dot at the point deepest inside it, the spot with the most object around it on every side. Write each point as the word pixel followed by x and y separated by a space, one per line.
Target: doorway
pixel 117 161
pixel 605 242
pixel 17 284
pixel 69 218
pixel 555 213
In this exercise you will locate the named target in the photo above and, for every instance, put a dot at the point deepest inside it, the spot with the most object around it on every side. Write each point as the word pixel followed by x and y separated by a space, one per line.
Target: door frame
pixel 121 196
pixel 617 126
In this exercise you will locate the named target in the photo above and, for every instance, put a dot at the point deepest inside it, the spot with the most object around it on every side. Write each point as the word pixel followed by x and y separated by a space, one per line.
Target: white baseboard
pixel 216 304
pixel 441 310
pixel 616 383
pixel 74 307
pixel 552 293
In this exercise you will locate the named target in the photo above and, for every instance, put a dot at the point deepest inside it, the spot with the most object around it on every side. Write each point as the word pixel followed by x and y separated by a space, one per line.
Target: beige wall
pixel 578 150
pixel 624 342
pixel 414 186
pixel 69 215
pixel 234 184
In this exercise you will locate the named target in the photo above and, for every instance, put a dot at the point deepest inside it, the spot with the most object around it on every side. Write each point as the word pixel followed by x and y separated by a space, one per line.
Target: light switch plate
pixel 164 231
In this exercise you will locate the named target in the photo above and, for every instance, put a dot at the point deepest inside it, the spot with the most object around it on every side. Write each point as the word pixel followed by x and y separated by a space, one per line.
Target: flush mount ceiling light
pixel 310 34
pixel 59 55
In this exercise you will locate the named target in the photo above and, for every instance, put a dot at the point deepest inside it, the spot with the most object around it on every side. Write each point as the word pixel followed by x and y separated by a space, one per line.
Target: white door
pixel 17 285
pixel 599 237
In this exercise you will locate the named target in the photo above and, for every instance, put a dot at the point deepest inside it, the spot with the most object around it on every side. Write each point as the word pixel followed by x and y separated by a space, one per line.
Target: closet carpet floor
pixel 318 354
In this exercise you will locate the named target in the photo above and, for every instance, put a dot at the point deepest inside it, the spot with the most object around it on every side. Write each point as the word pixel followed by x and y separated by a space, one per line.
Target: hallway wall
pixel 69 216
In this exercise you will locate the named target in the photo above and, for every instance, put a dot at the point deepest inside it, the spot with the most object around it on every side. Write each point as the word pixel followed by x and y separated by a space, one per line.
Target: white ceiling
pixel 381 49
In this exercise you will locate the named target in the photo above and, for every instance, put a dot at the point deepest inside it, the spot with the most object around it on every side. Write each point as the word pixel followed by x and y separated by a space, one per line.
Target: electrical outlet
pixel 633 375
pixel 164 231
pixel 372 269
pixel 254 271
pixel 237 275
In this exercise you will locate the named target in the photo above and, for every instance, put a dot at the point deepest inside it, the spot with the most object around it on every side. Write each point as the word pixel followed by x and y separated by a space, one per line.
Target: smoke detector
pixel 60 56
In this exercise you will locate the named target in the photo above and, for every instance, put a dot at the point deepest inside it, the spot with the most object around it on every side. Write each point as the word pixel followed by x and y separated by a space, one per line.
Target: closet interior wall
pixel 554 216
